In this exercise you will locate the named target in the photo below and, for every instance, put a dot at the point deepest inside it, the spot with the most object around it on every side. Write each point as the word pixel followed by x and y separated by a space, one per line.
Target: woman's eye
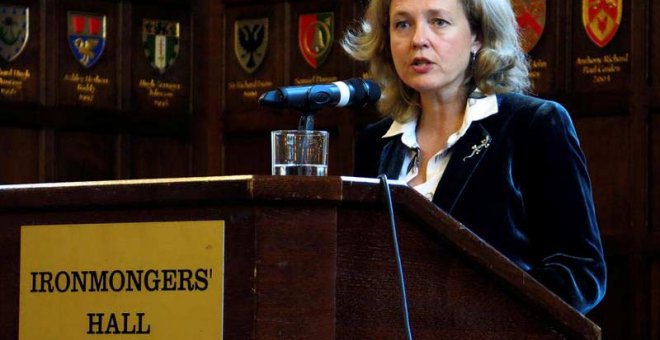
pixel 401 24
pixel 440 22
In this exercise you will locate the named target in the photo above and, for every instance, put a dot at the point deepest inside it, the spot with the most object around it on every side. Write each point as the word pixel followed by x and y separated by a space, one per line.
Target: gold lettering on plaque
pixel 602 68
pixel 315 80
pixel 11 82
pixel 250 89
pixel 86 85
pixel 160 92
pixel 537 67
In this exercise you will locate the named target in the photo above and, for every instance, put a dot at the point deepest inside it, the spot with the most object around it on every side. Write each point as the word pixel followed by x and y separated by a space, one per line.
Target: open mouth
pixel 420 62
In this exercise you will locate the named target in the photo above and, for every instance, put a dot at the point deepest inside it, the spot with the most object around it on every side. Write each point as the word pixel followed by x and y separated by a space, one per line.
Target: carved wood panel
pixel 84 156
pixel 655 299
pixel 654 180
pixel 19 155
pixel 654 55
pixel 615 314
pixel 159 157
pixel 606 144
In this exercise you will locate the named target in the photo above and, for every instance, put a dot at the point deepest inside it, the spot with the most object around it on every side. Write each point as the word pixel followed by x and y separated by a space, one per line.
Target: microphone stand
pixel 306 121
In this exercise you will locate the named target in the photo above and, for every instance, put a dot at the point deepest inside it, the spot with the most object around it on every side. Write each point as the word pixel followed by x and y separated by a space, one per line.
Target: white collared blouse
pixel 476 109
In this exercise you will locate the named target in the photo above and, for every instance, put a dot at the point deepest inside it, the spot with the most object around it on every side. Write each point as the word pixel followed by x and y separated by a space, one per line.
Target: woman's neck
pixel 439 119
pixel 442 114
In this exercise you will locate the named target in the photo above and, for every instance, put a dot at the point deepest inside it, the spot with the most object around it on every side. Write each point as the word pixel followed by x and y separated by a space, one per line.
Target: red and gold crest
pixel 315 37
pixel 530 15
pixel 601 19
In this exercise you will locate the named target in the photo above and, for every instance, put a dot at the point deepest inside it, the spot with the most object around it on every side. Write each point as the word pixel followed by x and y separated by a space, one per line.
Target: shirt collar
pixel 406 130
pixel 478 107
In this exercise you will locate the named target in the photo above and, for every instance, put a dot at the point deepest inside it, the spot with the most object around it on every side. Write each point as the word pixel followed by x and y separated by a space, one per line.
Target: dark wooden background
pixel 47 135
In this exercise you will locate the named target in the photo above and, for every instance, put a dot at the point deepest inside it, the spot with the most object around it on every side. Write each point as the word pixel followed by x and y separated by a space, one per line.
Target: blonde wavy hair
pixel 499 66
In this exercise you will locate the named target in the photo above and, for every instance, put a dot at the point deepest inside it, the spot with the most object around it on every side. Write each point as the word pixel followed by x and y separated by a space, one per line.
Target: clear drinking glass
pixel 299 152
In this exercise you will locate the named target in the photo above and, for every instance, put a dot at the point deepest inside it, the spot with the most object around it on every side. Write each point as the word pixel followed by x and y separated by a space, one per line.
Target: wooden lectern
pixel 312 258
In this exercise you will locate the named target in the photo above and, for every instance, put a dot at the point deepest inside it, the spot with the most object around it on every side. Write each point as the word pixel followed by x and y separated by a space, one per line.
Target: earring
pixel 473 57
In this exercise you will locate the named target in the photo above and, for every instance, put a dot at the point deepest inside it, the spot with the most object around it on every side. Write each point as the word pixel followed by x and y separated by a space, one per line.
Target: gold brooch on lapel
pixel 476 149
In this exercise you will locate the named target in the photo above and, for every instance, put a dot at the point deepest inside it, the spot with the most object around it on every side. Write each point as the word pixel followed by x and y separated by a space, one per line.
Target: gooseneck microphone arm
pixel 306 121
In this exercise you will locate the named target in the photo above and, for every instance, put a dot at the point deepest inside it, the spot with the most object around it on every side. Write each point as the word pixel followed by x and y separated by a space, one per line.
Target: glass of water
pixel 299 152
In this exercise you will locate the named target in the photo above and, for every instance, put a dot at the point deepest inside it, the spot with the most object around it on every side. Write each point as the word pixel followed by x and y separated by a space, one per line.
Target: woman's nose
pixel 420 37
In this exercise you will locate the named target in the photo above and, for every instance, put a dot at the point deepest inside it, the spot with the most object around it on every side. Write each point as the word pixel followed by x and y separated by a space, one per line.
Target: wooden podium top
pixel 352 209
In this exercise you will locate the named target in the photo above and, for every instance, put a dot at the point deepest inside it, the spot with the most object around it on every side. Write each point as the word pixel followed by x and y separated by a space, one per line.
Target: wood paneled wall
pixel 213 126
pixel 70 123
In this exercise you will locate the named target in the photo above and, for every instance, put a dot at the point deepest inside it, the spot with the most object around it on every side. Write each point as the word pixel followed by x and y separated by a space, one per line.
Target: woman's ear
pixel 476 44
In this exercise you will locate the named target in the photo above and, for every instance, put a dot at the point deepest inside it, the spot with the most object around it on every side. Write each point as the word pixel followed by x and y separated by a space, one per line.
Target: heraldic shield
pixel 531 16
pixel 86 37
pixel 250 42
pixel 160 39
pixel 315 37
pixel 601 19
pixel 14 31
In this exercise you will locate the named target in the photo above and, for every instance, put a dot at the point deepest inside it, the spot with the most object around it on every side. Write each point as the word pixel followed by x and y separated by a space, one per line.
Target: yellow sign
pixel 153 280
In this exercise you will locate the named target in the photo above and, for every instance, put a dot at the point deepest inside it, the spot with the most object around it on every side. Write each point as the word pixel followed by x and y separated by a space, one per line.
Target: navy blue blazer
pixel 518 179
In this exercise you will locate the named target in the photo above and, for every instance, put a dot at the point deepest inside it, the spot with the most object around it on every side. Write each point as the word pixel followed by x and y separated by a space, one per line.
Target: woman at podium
pixel 460 130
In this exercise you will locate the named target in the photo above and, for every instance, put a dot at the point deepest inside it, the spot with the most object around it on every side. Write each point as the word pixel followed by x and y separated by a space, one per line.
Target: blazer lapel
pixel 466 156
pixel 391 158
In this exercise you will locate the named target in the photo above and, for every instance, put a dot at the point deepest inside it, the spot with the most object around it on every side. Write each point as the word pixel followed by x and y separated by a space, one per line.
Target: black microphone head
pixel 294 97
pixel 364 92
pixel 274 98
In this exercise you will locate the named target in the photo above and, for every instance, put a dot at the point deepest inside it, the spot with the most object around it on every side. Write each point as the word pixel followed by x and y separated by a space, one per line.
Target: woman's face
pixel 430 41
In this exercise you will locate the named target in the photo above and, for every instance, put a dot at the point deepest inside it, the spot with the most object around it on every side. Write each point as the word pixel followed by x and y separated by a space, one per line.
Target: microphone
pixel 354 92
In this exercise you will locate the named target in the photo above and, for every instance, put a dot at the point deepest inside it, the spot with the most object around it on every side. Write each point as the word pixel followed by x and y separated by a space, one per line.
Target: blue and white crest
pixel 14 31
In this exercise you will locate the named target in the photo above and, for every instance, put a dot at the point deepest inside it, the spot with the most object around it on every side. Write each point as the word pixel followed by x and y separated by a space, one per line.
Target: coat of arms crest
pixel 315 37
pixel 86 37
pixel 160 39
pixel 531 15
pixel 250 42
pixel 14 31
pixel 601 19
